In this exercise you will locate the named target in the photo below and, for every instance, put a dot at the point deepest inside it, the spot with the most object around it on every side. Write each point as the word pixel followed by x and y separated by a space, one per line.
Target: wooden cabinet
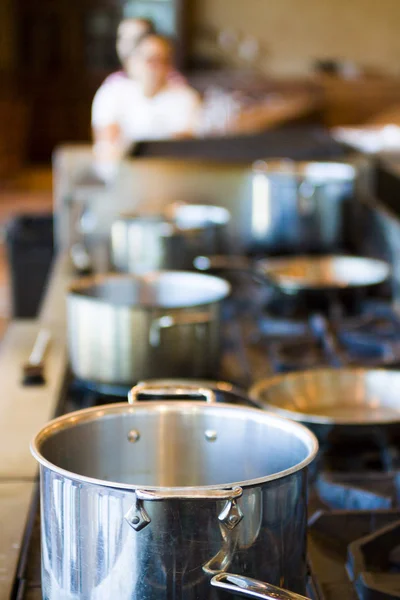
pixel 356 101
pixel 64 51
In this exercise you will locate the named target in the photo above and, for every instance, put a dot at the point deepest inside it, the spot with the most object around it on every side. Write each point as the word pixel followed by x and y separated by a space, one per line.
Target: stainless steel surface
pixel 149 243
pixel 251 588
pixel 88 491
pixel 15 498
pixel 298 207
pixel 124 328
pixel 320 273
pixel 333 396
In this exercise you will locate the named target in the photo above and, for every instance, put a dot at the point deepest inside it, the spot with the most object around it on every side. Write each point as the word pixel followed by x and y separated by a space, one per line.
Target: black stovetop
pixel 354 497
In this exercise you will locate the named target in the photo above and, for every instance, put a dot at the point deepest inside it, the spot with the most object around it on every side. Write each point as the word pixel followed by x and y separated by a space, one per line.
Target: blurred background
pixel 55 55
pixel 329 63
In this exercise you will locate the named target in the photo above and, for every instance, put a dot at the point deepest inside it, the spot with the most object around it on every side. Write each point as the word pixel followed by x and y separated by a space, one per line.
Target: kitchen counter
pixel 23 411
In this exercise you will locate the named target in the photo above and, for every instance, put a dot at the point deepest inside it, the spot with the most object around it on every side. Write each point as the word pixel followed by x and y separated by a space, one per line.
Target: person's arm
pixel 107 134
pixel 191 116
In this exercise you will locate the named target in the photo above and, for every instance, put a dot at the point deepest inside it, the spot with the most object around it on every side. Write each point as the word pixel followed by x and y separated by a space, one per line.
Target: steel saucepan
pixel 336 401
pixel 298 206
pixel 125 328
pixel 156 500
pixel 310 274
pixel 140 244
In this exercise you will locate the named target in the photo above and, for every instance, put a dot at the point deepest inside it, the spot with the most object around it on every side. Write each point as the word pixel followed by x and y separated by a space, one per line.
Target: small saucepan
pixel 334 402
pixel 144 243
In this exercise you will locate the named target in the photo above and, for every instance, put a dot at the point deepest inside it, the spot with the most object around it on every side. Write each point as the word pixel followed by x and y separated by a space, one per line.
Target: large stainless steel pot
pixel 298 206
pixel 149 243
pixel 334 401
pixel 125 328
pixel 156 500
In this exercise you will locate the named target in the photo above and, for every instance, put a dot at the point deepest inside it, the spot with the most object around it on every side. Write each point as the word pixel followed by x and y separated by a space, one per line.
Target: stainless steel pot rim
pixel 78 287
pixel 268 384
pixel 91 414
pixel 317 172
pixel 377 271
pixel 208 214
pixel 174 215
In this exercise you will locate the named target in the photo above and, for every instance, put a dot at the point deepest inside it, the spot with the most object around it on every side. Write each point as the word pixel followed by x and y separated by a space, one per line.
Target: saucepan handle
pixel 171 391
pixel 195 494
pixel 168 321
pixel 252 588
pixel 230 515
pixel 234 263
pixel 306 198
pixel 221 262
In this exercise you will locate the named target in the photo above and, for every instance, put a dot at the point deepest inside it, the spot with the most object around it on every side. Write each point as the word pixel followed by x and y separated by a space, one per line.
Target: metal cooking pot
pixel 158 499
pixel 333 400
pixel 318 274
pixel 125 328
pixel 298 206
pixel 149 243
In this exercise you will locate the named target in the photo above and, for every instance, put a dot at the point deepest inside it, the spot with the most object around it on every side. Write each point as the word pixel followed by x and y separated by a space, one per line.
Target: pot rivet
pixel 232 519
pixel 133 436
pixel 210 435
pixel 135 520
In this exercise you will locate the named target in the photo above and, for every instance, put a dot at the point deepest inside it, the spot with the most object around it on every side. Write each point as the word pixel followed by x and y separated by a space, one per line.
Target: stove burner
pixel 371 339
pixel 373 564
pixel 330 537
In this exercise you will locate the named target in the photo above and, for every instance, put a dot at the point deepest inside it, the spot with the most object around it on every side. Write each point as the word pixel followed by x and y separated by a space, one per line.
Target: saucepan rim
pixel 271 268
pixel 70 420
pixel 79 287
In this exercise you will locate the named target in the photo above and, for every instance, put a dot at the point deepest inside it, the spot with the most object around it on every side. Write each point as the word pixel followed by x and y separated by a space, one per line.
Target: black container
pixel 30 250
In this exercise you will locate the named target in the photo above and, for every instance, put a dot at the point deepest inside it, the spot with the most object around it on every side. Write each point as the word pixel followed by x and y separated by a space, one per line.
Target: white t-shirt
pixel 174 110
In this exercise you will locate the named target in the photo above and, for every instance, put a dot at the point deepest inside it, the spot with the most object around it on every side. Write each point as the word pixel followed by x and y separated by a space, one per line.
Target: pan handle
pixel 168 321
pixel 234 263
pixel 171 391
pixel 252 588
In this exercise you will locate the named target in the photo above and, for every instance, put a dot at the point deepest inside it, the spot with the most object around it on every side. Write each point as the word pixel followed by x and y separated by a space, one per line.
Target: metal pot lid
pixel 46 440
pixel 160 289
pixel 350 396
pixel 323 272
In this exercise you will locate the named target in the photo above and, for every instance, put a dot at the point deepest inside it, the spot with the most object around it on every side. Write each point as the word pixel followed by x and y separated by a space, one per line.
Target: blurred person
pixel 129 32
pixel 144 105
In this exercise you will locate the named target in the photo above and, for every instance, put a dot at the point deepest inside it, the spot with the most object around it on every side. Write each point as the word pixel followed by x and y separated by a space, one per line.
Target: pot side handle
pixel 230 516
pixel 252 588
pixel 171 391
pixel 168 321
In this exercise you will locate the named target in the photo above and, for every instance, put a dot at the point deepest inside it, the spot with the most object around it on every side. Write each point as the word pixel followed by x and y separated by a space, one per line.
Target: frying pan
pixel 341 399
pixel 318 274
